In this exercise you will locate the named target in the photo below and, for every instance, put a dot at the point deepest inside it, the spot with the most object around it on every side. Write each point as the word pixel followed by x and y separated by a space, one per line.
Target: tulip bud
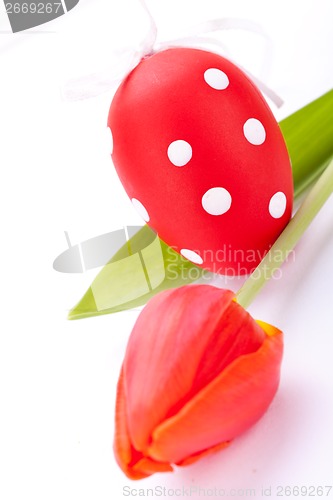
pixel 198 371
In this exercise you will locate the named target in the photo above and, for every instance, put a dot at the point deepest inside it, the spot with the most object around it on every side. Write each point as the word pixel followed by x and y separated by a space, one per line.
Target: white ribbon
pixel 127 58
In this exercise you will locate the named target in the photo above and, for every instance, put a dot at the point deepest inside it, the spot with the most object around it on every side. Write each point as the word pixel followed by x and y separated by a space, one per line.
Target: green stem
pixel 288 238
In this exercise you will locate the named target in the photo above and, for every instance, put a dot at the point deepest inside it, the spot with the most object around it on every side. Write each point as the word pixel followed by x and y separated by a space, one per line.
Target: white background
pixel 58 378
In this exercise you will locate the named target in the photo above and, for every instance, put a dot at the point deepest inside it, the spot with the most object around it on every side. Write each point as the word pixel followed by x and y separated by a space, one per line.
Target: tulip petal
pixel 122 446
pixel 179 344
pixel 198 456
pixel 229 405
pixel 164 352
pixel 236 335
pixel 149 466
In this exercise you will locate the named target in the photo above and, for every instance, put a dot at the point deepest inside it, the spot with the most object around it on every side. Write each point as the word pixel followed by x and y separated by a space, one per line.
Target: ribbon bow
pixel 128 58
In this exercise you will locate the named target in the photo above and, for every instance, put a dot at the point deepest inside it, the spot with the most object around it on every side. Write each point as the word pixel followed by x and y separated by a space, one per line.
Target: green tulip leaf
pixel 139 270
pixel 309 137
pixel 146 265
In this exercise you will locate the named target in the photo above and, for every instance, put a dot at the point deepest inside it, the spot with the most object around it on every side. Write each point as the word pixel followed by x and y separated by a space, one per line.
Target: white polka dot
pixel 216 201
pixel 254 131
pixel 179 153
pixel 216 79
pixel 191 256
pixel 277 205
pixel 110 140
pixel 142 211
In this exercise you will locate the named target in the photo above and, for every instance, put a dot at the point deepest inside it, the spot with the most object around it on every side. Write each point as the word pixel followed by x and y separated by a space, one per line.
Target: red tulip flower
pixel 198 371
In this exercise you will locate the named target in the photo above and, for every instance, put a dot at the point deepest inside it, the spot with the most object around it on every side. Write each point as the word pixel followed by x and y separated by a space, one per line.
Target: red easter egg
pixel 202 158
